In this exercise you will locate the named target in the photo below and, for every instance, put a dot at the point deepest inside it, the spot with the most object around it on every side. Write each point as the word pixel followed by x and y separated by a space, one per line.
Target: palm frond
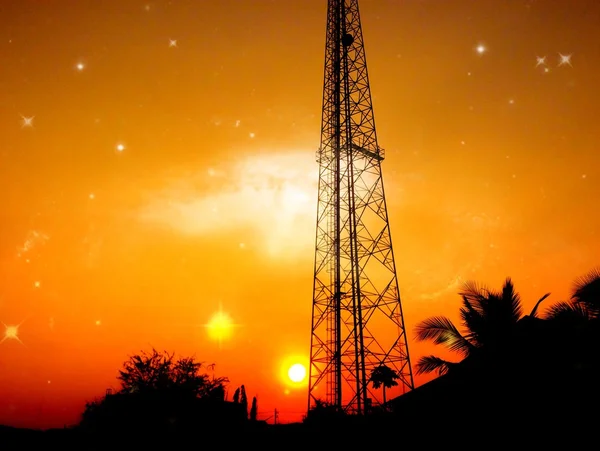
pixel 568 312
pixel 533 313
pixel 475 294
pixel 469 309
pixel 586 290
pixel 431 363
pixel 488 315
pixel 441 330
pixel 511 300
pixel 472 319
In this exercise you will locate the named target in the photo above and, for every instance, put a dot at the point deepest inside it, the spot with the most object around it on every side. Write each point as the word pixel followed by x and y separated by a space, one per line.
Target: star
pixel 565 60
pixel 540 60
pixel 480 49
pixel 120 147
pixel 11 333
pixel 220 327
pixel 80 66
pixel 172 42
pixel 27 121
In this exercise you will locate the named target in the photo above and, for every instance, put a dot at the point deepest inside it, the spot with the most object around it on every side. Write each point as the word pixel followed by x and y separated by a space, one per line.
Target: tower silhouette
pixel 357 321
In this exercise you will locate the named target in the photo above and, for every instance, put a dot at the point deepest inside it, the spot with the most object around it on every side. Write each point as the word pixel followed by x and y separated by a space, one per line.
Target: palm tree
pixel 582 311
pixel 576 324
pixel 569 313
pixel 488 319
pixel 586 295
pixel 383 376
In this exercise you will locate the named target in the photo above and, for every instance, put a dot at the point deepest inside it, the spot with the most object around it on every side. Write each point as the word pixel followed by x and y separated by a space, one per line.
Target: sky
pixel 158 174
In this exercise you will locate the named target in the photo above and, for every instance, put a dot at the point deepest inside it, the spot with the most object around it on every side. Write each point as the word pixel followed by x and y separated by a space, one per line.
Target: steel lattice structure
pixel 357 321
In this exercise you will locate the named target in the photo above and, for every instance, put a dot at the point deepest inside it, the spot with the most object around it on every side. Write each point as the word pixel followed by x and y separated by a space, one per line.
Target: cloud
pixel 271 195
pixel 451 288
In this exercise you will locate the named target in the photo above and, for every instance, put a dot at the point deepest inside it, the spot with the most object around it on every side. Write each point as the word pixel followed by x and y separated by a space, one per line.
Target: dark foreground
pixel 444 428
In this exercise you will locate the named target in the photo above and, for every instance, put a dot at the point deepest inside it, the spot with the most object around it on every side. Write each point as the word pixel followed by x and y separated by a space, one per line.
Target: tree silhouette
pixel 244 399
pixel 156 392
pixel 151 371
pixel 383 376
pixel 587 293
pixel 253 410
pixel 488 318
pixel 584 305
pixel 576 327
pixel 146 371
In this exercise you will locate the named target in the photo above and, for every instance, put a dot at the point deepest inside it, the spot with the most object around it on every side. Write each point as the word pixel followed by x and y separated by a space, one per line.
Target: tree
pixel 579 317
pixel 489 319
pixel 244 400
pixel 146 371
pixel 383 376
pixel 576 326
pixel 157 392
pixel 253 410
pixel 584 305
pixel 156 371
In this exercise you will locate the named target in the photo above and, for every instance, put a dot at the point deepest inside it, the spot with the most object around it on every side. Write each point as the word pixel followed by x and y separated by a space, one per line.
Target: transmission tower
pixel 357 322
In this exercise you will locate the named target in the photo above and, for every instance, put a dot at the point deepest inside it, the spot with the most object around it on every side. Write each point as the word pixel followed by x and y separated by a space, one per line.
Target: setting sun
pixel 297 373
pixel 293 371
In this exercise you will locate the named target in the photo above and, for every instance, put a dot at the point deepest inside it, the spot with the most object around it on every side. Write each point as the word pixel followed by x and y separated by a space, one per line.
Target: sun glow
pixel 293 371
pixel 271 196
pixel 297 373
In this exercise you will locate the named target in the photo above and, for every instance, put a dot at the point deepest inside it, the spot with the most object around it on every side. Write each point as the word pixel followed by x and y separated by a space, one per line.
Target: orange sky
pixel 491 170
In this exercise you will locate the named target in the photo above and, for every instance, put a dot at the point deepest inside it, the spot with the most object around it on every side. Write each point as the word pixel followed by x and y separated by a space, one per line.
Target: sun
pixel 293 371
pixel 297 373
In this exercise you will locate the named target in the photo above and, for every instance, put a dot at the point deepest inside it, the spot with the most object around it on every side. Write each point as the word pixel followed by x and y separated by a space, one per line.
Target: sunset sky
pixel 157 168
